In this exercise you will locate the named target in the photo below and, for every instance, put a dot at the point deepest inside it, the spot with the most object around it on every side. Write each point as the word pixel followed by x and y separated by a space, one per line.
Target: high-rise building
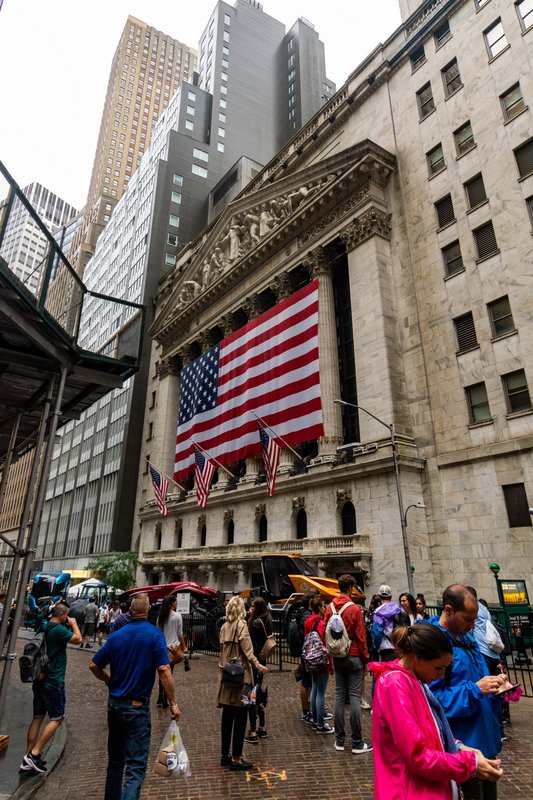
pixel 409 198
pixel 25 246
pixel 214 134
pixel 146 70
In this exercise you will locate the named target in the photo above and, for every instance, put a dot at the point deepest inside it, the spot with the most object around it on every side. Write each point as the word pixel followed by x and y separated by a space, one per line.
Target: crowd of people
pixel 436 696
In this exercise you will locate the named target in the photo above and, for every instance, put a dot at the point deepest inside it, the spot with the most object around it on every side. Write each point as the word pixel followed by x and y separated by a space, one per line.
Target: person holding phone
pixel 467 692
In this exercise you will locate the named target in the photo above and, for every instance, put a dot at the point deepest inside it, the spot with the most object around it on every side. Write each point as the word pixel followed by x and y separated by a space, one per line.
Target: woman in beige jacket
pixel 235 642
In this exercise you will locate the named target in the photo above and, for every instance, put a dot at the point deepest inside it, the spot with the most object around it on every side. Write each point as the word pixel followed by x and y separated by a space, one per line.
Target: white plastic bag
pixel 172 759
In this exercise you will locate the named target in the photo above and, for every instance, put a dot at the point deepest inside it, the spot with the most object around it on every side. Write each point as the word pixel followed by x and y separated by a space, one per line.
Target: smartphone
pixel 509 689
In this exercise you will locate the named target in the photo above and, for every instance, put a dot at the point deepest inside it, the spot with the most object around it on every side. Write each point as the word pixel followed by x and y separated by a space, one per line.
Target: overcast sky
pixel 55 57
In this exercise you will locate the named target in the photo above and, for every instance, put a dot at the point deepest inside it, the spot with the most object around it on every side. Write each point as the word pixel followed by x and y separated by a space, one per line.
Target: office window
pixel 418 57
pixel 291 75
pixel 226 36
pixel 222 103
pixel 172 239
pixel 220 147
pixel 451 78
pixel 529 204
pixel 290 43
pixel 445 212
pixel 223 90
pixel 465 332
pixel 190 111
pixel 225 63
pixel 174 220
pixel 524 158
pixel 221 132
pixel 191 96
pixel 200 154
pixel 227 19
pixel 495 40
pixel 500 315
pixel 453 260
pixel 177 180
pixel 176 197
pixel 224 77
pixel 478 404
pixel 221 117
pixel 512 102
pixel 480 3
pixel 517 505
pixel 189 125
pixel 464 138
pixel 442 34
pixel 516 391
pixel 424 98
pixel 475 191
pixel 170 260
pixel 524 9
pixel 485 240
pixel 199 171
pixel 435 159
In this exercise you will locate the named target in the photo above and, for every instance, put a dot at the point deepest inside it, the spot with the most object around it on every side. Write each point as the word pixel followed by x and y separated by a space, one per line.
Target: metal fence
pixel 202 630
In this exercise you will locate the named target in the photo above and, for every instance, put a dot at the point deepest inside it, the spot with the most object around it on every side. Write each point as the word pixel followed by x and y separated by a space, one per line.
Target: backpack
pixel 34 662
pixel 295 633
pixel 337 640
pixel 314 651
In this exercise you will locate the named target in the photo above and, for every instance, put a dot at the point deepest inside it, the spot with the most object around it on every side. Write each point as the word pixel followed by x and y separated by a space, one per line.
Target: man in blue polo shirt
pixel 134 654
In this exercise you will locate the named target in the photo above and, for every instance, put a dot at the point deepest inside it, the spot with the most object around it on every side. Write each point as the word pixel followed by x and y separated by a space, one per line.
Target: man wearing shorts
pixel 49 692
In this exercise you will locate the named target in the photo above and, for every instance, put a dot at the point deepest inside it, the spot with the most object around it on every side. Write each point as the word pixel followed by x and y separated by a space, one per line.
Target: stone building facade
pixel 409 196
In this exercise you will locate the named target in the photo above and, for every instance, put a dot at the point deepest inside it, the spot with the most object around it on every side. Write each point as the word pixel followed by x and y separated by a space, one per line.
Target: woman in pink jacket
pixel 415 754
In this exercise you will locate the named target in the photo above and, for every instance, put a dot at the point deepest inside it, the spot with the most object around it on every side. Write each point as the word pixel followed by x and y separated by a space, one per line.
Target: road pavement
pixel 293 761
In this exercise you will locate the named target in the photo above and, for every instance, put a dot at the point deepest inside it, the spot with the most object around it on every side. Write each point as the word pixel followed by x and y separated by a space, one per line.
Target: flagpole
pixel 278 436
pixel 183 489
pixel 212 458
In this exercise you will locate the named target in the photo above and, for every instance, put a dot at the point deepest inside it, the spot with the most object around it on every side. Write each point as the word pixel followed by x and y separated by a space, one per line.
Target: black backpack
pixel 295 633
pixel 34 662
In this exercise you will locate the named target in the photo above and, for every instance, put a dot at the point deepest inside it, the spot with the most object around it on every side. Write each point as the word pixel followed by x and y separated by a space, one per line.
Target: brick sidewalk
pixel 292 762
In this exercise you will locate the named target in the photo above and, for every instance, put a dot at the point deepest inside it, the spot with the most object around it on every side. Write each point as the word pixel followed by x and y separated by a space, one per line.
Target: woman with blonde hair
pixel 415 754
pixel 235 642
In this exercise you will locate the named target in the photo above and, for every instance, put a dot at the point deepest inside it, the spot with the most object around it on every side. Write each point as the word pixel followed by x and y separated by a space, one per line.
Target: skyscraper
pixel 217 131
pixel 24 246
pixel 146 70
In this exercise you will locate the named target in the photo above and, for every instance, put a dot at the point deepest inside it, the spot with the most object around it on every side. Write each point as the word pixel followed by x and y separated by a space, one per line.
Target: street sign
pixel 514 593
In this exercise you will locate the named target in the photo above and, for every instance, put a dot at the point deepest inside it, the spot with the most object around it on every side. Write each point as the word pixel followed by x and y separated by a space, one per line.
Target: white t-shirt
pixel 173 628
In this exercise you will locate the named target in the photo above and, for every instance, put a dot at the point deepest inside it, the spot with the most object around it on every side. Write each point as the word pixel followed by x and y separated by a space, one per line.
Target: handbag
pixel 233 669
pixel 269 645
pixel 175 653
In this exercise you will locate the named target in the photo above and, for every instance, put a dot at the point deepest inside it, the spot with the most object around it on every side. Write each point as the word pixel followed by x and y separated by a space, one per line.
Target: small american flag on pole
pixel 160 484
pixel 203 475
pixel 269 366
pixel 270 451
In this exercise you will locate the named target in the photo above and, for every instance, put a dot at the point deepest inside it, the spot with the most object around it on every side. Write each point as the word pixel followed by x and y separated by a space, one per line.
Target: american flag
pixel 269 366
pixel 270 451
pixel 203 475
pixel 160 484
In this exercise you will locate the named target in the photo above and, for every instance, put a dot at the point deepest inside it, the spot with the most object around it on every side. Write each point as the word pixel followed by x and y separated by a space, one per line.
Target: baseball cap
pixel 384 591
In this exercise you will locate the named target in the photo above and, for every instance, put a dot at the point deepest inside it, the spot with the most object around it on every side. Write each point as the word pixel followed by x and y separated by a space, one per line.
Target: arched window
pixel 349 526
pixel 203 535
pixel 263 528
pixel 301 524
pixel 231 532
pixel 179 538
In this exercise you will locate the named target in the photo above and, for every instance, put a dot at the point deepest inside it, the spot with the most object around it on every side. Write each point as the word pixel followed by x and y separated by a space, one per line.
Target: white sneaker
pixel 365 705
pixel 339 746
pixel 362 748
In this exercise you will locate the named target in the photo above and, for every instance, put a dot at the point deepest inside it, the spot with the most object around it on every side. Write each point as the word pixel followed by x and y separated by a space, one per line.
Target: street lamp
pixel 495 569
pixel 403 514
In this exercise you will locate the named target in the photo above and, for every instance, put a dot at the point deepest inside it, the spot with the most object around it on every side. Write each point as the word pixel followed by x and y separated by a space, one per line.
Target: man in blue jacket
pixel 467 691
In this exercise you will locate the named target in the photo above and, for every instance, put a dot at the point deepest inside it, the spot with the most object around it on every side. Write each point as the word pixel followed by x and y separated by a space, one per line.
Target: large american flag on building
pixel 269 366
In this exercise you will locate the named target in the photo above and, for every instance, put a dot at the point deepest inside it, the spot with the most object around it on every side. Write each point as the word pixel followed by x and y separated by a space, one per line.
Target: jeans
pixel 128 744
pixel 477 789
pixel 233 722
pixel 318 696
pixel 348 680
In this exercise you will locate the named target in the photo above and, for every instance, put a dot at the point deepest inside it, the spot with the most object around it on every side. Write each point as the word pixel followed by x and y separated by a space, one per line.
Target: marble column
pixel 252 307
pixel 166 401
pixel 330 387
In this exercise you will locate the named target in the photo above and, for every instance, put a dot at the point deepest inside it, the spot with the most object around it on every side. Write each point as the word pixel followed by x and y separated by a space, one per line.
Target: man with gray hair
pixel 134 654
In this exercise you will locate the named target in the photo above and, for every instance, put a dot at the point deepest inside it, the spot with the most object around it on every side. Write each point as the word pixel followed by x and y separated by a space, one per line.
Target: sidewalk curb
pixel 54 753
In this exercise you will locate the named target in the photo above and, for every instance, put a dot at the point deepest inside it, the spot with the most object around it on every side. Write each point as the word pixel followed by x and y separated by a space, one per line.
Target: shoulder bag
pixel 268 646
pixel 233 669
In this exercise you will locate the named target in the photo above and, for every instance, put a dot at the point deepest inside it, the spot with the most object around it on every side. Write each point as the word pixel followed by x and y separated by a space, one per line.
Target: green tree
pixel 116 569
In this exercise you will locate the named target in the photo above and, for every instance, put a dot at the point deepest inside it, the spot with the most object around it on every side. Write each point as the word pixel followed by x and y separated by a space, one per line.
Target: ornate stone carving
pixel 166 367
pixel 207 340
pixel 260 509
pixel 281 286
pixel 228 514
pixel 226 323
pixel 316 262
pixel 298 502
pixel 343 495
pixel 184 354
pixel 178 523
pixel 329 220
pixel 252 306
pixel 373 223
